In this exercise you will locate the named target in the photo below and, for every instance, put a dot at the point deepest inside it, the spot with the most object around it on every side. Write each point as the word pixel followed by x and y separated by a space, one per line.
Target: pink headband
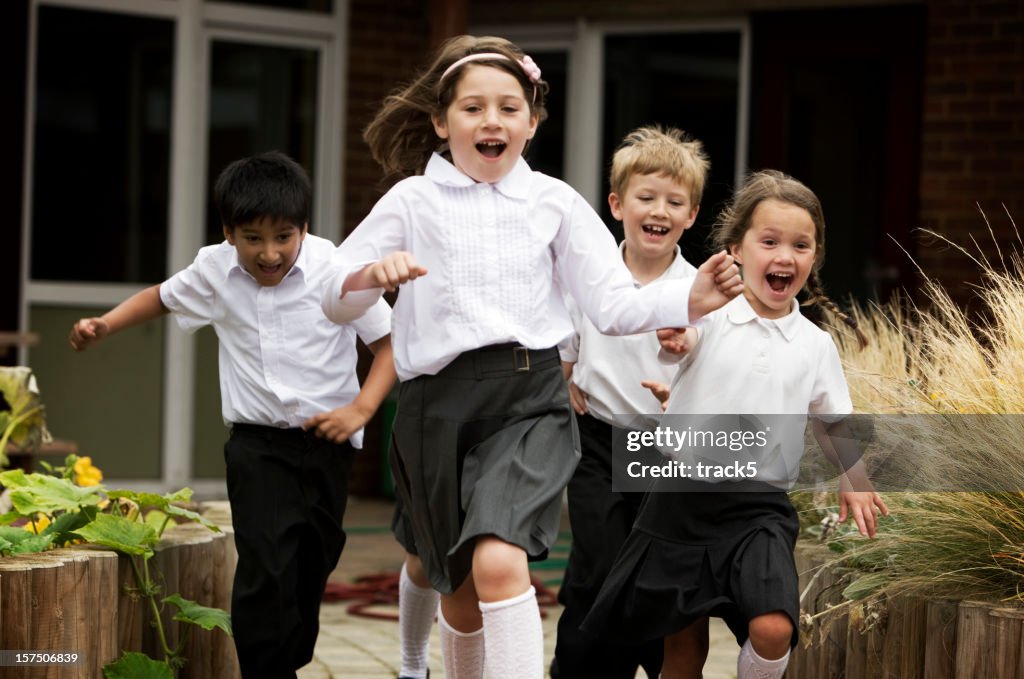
pixel 530 68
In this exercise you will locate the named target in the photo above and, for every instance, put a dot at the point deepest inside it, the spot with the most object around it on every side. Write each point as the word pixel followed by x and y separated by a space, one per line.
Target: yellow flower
pixel 85 473
pixel 37 526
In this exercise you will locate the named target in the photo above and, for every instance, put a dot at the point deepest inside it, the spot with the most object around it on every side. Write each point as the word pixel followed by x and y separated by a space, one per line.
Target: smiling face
pixel 267 249
pixel 654 210
pixel 777 254
pixel 487 124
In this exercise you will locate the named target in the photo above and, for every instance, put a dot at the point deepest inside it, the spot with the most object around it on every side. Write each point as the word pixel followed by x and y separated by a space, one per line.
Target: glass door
pixel 264 94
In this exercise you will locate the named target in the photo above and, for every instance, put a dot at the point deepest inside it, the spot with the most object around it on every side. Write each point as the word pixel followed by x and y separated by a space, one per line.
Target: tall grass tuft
pixel 943 361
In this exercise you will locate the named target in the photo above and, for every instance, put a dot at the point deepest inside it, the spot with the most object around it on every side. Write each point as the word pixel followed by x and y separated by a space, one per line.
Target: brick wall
pixel 973 132
pixel 389 42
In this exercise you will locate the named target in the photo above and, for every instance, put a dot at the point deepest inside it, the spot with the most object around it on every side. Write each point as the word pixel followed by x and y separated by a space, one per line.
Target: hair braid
pixel 819 297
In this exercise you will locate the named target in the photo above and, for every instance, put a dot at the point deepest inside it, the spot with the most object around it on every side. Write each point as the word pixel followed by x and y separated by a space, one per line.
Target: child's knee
pixel 500 569
pixel 771 634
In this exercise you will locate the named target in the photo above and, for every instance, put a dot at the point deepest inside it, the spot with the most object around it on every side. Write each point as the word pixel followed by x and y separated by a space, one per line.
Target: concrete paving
pixel 363 644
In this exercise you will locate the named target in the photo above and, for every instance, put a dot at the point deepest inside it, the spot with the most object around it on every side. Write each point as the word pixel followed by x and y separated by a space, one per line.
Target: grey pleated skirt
pixel 485 447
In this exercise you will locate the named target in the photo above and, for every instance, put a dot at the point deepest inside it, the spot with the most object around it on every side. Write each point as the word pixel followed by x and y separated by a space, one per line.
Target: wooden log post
pixel 832 636
pixel 973 655
pixel 940 639
pixel 104 601
pixel 16 595
pixel 225 558
pixel 46 617
pixel 80 612
pixel 164 572
pixel 195 556
pixel 903 646
pixel 1007 649
pixel 856 664
pixel 131 606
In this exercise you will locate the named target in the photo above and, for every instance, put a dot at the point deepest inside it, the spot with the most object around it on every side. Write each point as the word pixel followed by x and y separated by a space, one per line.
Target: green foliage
pixel 204 616
pixel 53 509
pixel 137 666
pixel 121 534
pixel 22 423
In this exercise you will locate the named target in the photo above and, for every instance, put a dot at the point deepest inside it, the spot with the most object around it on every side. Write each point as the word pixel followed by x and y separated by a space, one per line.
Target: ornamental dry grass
pixel 949 367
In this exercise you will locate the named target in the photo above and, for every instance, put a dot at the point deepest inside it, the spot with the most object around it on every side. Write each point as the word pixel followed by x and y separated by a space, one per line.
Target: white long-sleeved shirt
pixel 609 369
pixel 281 360
pixel 499 258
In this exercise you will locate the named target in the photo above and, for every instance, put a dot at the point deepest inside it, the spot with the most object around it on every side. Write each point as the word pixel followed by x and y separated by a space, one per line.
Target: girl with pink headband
pixel 484 440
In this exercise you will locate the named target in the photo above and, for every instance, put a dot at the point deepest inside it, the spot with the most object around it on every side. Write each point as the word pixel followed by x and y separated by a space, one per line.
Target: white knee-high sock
pixel 752 666
pixel 463 652
pixel 416 609
pixel 514 637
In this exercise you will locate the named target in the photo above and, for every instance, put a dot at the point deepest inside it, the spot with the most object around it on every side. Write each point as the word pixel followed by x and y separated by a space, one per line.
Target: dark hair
pixel 402 137
pixel 734 221
pixel 265 185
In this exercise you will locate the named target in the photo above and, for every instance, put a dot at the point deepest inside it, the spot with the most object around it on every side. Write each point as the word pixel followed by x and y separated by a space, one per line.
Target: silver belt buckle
pixel 521 359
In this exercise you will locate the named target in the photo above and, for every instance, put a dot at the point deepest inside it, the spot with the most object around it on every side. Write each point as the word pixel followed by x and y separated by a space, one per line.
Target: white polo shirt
pixel 500 257
pixel 281 360
pixel 745 364
pixel 609 369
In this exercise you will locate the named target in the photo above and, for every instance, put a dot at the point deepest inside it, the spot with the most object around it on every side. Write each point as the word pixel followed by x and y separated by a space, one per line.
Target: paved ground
pixel 353 645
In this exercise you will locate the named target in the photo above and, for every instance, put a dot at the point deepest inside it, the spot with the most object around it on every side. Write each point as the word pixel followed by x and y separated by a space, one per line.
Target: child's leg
pixel 462 634
pixel 513 635
pixel 766 652
pixel 417 606
pixel 686 651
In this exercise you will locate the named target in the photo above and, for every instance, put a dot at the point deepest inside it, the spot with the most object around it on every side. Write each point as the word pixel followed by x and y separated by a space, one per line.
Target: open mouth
pixel 779 282
pixel 655 230
pixel 491 149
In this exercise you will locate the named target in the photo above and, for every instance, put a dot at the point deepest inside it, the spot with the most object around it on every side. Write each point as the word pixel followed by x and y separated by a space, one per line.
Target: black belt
pixel 292 434
pixel 500 360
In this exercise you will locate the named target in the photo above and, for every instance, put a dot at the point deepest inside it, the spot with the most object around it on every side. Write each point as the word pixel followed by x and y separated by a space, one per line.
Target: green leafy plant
pixel 21 413
pixel 54 509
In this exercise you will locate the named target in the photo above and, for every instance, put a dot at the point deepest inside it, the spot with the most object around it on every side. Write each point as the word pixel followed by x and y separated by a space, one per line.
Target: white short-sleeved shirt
pixel 748 365
pixel 281 360
pixel 609 369
pixel 500 257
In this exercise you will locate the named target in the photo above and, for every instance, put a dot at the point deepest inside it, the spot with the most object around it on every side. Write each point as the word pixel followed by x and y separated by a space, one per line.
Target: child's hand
pixel 864 506
pixel 659 390
pixel 717 281
pixel 677 340
pixel 337 425
pixel 577 399
pixel 86 332
pixel 393 270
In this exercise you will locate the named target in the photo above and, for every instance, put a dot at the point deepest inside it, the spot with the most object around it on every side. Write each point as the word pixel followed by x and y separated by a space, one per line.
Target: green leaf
pixel 137 666
pixel 120 534
pixel 21 541
pixel 65 527
pixel 32 493
pixel 165 503
pixel 25 424
pixel 865 585
pixel 205 617
pixel 33 545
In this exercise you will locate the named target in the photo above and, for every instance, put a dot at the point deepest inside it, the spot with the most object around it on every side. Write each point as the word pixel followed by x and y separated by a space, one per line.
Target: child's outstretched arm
pixel 857 496
pixel 339 424
pixel 388 272
pixel 717 281
pixel 659 390
pixel 141 307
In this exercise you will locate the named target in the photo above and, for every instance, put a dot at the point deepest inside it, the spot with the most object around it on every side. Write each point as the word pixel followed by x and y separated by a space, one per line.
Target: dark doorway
pixel 836 103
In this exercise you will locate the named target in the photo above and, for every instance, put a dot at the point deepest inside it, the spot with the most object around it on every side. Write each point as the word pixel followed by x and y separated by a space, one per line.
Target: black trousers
pixel 288 491
pixel 601 520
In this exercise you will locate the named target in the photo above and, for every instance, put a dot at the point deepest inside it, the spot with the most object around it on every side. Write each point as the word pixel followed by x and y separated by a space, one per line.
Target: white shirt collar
pixel 298 266
pixel 739 312
pixel 673 270
pixel 515 185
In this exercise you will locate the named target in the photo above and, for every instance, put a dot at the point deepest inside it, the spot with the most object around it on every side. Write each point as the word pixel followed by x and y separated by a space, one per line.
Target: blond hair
pixel 402 137
pixel 656 150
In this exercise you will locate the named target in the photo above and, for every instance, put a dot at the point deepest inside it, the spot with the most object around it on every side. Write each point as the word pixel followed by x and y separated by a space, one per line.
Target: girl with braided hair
pixel 726 549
